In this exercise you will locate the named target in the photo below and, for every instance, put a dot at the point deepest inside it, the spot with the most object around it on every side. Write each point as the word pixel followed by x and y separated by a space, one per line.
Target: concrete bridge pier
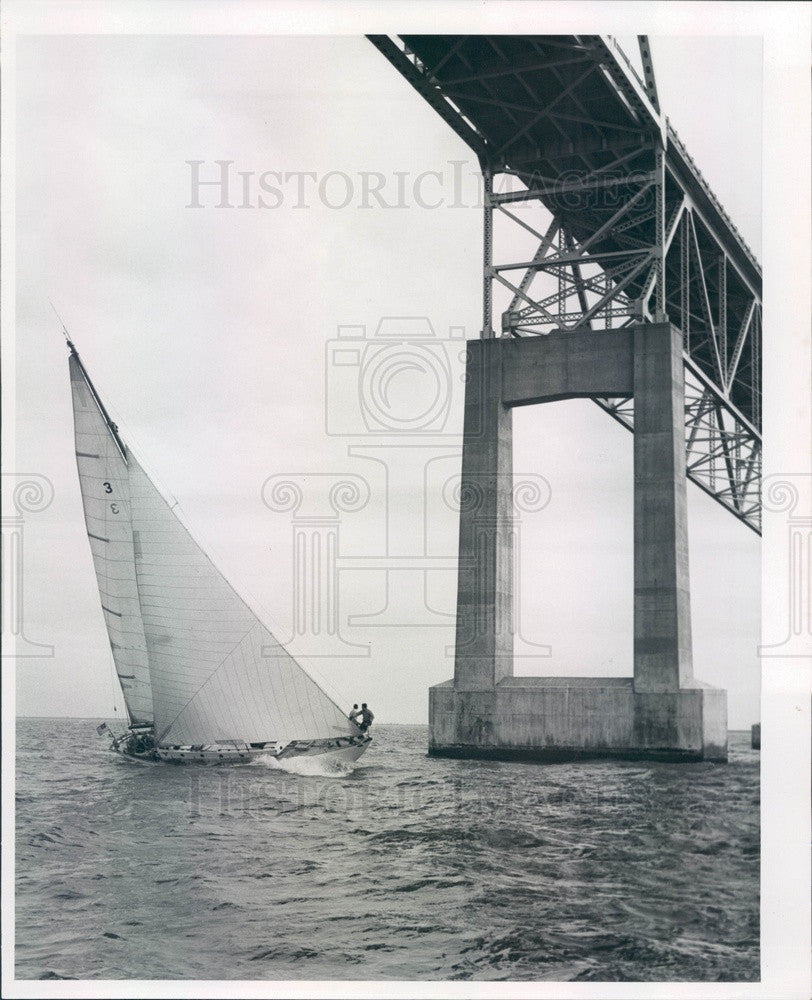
pixel 661 712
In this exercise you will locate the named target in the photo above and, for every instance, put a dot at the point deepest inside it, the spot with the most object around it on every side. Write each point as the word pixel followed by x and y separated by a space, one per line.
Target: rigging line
pixel 243 699
pixel 252 711
pixel 61 322
pixel 113 689
pixel 262 690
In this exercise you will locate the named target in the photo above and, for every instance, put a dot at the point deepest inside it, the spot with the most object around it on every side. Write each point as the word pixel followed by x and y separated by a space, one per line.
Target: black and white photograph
pixel 406 499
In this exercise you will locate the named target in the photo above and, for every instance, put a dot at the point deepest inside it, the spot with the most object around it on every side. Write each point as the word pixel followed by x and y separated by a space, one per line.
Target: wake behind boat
pixel 203 679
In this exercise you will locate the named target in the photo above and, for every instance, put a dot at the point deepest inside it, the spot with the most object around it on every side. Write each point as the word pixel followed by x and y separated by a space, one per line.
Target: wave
pixel 319 766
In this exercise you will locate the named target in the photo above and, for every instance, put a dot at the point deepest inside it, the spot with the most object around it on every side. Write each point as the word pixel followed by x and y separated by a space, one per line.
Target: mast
pixel 113 428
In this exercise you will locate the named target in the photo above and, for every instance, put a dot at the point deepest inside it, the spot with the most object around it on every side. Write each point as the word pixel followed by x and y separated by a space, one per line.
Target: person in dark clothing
pixel 366 717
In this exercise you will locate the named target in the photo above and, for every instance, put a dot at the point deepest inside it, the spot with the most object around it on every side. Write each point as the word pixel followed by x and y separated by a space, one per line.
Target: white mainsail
pixel 105 486
pixel 215 671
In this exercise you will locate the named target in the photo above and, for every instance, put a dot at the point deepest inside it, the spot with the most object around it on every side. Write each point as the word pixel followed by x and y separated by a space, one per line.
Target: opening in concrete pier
pixel 575 583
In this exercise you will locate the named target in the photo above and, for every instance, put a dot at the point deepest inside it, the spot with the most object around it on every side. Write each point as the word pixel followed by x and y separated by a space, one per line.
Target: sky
pixel 218 338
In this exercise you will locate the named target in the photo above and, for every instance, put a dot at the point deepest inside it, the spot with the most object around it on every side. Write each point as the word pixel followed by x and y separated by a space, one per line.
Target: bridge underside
pixel 581 168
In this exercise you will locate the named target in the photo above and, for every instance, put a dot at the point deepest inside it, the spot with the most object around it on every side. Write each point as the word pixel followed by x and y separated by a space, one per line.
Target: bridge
pixel 635 230
pixel 641 295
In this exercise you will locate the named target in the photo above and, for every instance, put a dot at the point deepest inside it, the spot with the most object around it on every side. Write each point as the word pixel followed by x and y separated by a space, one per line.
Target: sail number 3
pixel 109 489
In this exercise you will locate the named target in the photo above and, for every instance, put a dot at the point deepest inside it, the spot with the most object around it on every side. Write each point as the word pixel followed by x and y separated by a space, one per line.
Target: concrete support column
pixel 662 601
pixel 484 649
pixel 660 714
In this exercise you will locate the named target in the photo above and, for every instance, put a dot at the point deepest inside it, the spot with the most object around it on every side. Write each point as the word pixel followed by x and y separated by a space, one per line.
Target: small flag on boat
pixel 102 728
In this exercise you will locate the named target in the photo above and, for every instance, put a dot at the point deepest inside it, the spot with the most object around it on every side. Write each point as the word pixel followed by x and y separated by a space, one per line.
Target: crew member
pixel 366 717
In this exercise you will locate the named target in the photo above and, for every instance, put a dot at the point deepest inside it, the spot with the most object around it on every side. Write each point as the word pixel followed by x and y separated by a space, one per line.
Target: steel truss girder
pixel 722 448
pixel 637 233
pixel 683 273
pixel 618 267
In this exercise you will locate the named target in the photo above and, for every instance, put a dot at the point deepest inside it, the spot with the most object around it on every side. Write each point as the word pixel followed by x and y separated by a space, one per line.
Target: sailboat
pixel 203 679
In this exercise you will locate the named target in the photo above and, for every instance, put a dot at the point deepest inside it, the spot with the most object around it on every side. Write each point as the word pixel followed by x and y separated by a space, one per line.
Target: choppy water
pixel 406 868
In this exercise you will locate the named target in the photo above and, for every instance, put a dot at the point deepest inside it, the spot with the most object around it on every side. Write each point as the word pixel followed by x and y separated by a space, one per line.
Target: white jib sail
pixel 104 483
pixel 217 672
